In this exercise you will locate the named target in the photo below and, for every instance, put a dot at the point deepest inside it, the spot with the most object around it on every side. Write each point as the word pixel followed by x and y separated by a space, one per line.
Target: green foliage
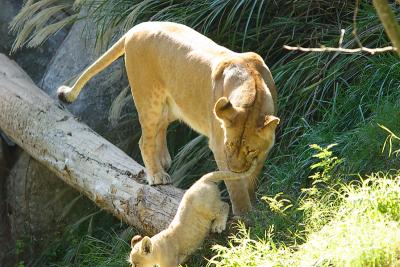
pixel 389 141
pixel 345 225
pixel 243 250
pixel 320 201
pixel 278 204
pixel 97 239
pixel 19 246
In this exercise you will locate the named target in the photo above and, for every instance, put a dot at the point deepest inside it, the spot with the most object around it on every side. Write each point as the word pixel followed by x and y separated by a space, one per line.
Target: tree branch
pixel 341 49
pixel 389 22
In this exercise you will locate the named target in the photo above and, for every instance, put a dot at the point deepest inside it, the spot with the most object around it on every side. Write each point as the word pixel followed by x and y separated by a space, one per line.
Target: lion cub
pixel 200 211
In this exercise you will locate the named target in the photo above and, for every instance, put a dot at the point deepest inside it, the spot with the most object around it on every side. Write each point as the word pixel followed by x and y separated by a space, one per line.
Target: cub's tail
pixel 69 94
pixel 228 175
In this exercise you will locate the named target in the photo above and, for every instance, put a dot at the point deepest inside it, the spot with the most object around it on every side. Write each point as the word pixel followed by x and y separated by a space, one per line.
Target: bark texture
pixel 79 156
pixel 389 22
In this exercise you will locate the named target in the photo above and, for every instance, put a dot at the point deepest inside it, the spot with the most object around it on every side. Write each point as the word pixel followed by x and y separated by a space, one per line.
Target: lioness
pixel 201 210
pixel 177 73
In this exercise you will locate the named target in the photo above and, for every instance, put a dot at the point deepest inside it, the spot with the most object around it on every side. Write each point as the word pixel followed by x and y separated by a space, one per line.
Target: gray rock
pixel 8 10
pixel 94 102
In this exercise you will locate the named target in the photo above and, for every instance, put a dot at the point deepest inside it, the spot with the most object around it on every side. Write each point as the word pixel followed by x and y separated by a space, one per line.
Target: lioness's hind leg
pixel 150 116
pixel 148 148
pixel 221 216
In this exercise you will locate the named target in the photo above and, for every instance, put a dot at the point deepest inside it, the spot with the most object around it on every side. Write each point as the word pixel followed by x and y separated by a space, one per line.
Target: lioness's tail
pixel 228 175
pixel 69 94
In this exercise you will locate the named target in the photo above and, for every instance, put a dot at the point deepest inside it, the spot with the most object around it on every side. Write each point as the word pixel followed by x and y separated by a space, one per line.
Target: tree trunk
pixel 79 156
pixel 389 22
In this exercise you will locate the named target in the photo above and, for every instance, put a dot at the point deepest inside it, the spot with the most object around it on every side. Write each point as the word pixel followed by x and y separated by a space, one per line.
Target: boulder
pixel 8 10
pixel 93 104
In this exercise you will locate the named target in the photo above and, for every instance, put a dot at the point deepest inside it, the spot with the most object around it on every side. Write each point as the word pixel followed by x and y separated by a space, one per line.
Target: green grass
pixel 97 239
pixel 356 224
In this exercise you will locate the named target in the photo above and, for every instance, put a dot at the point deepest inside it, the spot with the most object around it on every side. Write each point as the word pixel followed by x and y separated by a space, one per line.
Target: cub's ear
pixel 135 239
pixel 147 246
pixel 270 124
pixel 224 110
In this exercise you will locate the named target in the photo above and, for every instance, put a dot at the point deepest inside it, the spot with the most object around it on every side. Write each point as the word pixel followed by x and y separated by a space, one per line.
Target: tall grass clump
pixel 97 239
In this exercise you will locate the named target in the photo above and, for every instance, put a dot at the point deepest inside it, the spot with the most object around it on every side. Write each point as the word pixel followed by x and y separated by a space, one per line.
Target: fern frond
pixel 35 24
pixel 44 33
pixel 26 13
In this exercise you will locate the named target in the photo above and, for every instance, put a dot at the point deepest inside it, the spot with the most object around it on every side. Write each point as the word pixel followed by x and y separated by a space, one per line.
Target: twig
pixel 340 49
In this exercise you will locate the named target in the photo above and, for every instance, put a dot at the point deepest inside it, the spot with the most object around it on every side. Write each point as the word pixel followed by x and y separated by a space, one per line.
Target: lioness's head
pixel 245 111
pixel 248 134
pixel 142 254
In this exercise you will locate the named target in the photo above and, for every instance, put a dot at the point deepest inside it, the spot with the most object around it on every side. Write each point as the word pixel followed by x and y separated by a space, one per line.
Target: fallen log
pixel 79 156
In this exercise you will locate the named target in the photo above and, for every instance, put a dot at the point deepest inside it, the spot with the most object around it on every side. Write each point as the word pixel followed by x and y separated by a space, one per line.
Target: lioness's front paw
pixel 218 226
pixel 166 161
pixel 159 178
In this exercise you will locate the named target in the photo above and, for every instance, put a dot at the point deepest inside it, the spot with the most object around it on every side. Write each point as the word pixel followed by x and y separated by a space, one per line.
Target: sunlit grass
pixel 362 228
pixel 365 230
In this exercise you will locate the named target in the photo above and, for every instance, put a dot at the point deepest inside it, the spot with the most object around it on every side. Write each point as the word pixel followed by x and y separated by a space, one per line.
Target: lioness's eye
pixel 229 146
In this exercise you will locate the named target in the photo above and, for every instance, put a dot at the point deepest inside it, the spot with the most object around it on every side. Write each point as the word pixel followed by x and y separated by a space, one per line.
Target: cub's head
pixel 142 254
pixel 247 134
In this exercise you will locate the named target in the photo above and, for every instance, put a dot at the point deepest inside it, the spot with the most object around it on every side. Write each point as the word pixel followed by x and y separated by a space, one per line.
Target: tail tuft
pixel 64 94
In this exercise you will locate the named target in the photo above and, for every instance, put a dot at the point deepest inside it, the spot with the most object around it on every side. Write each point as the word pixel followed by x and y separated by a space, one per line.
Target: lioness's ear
pixel 224 110
pixel 270 123
pixel 147 246
pixel 135 239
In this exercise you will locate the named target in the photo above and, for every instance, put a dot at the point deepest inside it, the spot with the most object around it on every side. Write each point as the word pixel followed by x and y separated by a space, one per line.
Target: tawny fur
pixel 177 73
pixel 201 210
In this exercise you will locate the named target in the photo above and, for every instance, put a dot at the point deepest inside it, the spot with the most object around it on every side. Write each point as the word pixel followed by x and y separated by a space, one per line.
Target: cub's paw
pixel 64 94
pixel 218 226
pixel 159 178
